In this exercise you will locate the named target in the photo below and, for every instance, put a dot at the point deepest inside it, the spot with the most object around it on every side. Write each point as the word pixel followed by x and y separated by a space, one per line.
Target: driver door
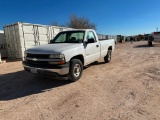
pixel 92 49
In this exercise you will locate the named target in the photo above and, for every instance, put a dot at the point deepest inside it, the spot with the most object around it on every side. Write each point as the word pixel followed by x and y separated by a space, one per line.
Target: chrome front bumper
pixel 61 71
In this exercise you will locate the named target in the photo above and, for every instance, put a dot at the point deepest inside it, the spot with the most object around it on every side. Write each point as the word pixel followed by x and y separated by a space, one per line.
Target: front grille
pixel 37 62
pixel 38 56
pixel 40 64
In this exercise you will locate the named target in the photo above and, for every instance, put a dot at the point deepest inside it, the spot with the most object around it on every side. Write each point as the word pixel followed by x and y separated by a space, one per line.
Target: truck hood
pixel 53 48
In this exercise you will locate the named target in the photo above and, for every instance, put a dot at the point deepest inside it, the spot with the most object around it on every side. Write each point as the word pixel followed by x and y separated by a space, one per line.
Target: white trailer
pixel 21 36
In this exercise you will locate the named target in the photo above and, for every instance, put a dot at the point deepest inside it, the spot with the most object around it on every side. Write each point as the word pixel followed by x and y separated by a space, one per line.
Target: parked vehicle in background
pixel 146 36
pixel 153 37
pixel 68 53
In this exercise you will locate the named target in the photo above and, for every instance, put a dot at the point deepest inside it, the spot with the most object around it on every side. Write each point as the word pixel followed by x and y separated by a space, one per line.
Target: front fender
pixel 70 53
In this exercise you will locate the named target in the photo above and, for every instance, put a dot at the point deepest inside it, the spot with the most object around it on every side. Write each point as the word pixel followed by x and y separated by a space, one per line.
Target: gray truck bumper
pixel 48 72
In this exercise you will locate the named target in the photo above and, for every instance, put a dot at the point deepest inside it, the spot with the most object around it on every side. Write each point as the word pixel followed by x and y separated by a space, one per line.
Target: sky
pixel 112 17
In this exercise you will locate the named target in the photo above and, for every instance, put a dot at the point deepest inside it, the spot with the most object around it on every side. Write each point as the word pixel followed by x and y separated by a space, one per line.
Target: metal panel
pixel 3 45
pixel 44 35
pixel 28 29
pixel 12 39
pixel 29 41
pixel 55 31
pixel 65 29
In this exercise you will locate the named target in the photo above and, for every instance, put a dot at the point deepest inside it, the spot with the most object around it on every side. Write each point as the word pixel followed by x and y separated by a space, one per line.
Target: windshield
pixel 69 37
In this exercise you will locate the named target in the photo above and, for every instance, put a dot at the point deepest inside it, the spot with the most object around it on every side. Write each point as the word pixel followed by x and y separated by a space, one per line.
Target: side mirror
pixel 91 40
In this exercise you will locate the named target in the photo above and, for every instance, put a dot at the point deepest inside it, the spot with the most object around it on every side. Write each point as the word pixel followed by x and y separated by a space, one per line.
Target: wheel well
pixel 110 48
pixel 80 57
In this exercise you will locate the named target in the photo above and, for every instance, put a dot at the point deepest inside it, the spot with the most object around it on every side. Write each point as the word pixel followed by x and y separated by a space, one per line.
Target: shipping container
pixel 21 36
pixel 3 45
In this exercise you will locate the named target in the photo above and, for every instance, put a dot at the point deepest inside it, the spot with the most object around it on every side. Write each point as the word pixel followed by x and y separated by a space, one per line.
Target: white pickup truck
pixel 67 53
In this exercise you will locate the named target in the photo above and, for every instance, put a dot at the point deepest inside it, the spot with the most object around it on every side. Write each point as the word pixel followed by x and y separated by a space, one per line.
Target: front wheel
pixel 107 58
pixel 75 70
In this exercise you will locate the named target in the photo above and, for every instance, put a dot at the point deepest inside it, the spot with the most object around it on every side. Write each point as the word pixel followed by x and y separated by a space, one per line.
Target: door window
pixel 90 35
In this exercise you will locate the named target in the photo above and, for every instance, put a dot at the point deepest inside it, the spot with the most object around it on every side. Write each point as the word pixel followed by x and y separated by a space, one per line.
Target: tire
pixel 75 70
pixel 107 58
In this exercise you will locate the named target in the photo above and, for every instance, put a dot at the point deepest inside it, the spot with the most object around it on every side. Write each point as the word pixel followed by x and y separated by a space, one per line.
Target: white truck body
pixel 84 51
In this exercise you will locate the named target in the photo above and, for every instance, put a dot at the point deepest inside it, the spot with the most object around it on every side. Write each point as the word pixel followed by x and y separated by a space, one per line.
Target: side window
pixel 90 35
pixel 76 37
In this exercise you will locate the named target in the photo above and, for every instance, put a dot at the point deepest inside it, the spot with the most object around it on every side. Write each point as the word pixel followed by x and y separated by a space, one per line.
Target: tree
pixel 80 23
pixel 77 23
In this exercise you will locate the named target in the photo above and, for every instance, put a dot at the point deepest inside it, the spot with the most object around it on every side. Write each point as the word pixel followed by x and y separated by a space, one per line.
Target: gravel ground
pixel 127 88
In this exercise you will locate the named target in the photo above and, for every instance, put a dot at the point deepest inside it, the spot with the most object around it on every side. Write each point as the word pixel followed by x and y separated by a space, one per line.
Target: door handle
pixel 97 45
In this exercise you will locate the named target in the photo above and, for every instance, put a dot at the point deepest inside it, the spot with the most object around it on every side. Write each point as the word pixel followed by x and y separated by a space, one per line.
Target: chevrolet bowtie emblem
pixel 34 59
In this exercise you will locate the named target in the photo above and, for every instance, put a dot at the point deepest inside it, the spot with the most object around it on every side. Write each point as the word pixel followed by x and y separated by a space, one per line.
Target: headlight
pixel 56 56
pixel 60 59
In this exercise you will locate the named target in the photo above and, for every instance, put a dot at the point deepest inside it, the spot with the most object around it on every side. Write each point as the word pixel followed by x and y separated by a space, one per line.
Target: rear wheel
pixel 75 70
pixel 107 58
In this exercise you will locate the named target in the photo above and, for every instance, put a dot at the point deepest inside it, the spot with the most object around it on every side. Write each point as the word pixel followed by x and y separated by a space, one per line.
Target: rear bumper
pixel 60 71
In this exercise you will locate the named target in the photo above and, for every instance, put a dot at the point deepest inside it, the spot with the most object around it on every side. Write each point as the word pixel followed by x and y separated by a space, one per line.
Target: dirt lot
pixel 128 88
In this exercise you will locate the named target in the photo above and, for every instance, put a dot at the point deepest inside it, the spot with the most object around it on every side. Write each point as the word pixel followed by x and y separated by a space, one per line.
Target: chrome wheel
pixel 109 56
pixel 77 70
